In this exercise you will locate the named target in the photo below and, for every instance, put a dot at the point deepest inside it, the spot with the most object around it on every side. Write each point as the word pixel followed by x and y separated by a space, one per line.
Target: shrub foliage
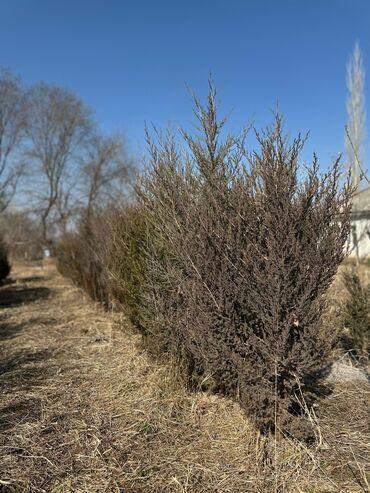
pixel 356 313
pixel 253 243
pixel 225 262
pixel 81 257
pixel 126 267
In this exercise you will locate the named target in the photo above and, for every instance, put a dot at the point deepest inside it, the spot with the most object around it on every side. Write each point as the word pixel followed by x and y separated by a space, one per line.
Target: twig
pixel 363 173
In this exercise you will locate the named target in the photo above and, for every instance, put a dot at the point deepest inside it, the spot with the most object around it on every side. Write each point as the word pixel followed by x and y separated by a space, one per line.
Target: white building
pixel 360 225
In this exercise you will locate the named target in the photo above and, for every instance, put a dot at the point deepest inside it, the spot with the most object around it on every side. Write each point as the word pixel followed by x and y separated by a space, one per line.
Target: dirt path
pixel 83 408
pixel 53 343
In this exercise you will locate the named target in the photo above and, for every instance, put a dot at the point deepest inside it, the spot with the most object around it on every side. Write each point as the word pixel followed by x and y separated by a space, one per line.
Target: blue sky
pixel 131 60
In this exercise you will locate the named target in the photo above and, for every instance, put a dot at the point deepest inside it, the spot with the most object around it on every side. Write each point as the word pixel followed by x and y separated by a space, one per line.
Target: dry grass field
pixel 84 409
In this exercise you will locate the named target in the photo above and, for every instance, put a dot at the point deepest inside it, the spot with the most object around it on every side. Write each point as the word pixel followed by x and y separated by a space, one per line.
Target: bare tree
pixel 107 172
pixel 355 129
pixel 60 126
pixel 13 123
pixel 66 206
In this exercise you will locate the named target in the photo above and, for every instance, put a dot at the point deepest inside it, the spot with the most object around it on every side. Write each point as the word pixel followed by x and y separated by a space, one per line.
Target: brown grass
pixel 84 409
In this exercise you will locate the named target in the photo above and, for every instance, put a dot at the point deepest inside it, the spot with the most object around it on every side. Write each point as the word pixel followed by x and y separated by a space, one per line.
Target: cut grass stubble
pixel 85 409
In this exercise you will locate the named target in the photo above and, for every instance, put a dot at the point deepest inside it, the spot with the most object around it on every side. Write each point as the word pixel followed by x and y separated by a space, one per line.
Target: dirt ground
pixel 84 409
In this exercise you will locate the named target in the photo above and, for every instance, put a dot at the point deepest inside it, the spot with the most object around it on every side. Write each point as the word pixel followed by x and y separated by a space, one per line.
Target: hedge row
pixel 225 262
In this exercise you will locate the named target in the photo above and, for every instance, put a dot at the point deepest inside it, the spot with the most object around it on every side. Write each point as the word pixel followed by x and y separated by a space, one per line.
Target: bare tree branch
pixel 61 125
pixel 107 173
pixel 13 123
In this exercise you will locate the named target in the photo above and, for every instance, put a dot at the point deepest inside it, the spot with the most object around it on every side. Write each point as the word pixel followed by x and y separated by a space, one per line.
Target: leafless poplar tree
pixel 355 130
pixel 13 123
pixel 60 126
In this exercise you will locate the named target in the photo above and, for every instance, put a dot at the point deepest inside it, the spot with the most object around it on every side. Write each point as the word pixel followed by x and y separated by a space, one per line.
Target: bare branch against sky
pixel 60 125
pixel 107 172
pixel 13 122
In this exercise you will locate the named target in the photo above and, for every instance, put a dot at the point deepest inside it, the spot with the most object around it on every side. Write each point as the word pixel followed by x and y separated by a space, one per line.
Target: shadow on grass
pixel 23 360
pixel 23 371
pixel 16 294
pixel 21 410
pixel 12 295
pixel 11 330
pixel 31 279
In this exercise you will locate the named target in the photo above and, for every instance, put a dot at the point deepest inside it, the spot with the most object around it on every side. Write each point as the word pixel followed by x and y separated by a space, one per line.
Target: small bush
pixel 133 249
pixel 356 314
pixel 68 251
pixel 252 243
pixel 126 262
pixel 4 262
pixel 81 258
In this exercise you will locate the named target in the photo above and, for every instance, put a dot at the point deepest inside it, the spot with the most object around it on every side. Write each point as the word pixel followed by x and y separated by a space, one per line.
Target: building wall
pixel 360 228
pixel 360 224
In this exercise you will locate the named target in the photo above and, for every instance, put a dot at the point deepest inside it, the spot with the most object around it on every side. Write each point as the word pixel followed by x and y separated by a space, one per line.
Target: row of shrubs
pixel 356 316
pixel 224 263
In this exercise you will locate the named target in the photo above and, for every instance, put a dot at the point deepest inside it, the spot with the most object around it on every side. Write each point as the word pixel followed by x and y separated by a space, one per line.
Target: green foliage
pixel 356 313
pixel 126 262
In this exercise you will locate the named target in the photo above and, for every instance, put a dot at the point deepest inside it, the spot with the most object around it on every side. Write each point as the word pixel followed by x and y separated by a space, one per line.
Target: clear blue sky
pixel 131 60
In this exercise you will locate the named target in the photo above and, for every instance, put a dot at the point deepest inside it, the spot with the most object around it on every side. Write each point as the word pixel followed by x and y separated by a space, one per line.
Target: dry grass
pixel 84 409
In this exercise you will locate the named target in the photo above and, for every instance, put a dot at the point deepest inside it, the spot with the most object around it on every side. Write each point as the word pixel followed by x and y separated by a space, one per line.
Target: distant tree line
pixel 53 153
